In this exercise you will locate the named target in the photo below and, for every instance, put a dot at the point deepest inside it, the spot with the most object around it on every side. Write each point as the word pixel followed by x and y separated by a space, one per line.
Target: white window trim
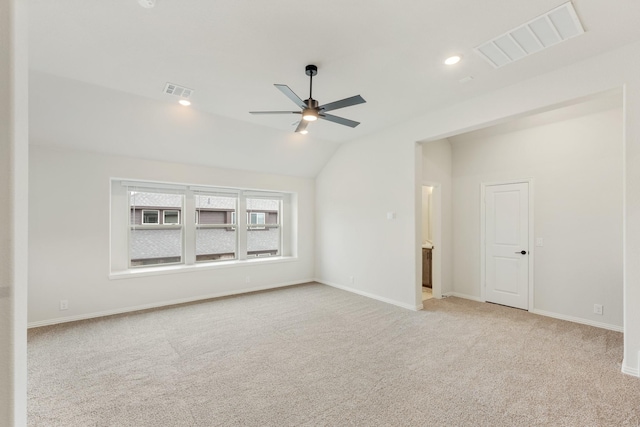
pixel 286 250
pixel 164 216
pixel 158 270
pixel 157 211
pixel 214 192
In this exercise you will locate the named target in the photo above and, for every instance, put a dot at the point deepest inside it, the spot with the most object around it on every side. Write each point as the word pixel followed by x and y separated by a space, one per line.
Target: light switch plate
pixel 539 241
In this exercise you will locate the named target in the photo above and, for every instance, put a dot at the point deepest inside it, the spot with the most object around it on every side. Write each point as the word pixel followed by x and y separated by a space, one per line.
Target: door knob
pixel 522 252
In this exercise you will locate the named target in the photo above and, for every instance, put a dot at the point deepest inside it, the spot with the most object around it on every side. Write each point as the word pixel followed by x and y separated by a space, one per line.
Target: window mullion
pixel 188 221
pixel 242 227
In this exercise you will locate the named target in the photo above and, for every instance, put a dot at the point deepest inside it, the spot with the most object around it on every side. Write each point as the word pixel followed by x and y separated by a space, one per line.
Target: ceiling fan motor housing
pixel 311 70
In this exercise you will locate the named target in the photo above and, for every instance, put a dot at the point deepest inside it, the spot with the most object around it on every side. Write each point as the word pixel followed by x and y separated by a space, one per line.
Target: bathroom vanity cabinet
pixel 427 256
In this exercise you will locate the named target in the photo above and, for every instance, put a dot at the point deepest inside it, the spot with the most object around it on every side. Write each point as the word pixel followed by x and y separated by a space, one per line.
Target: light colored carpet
pixel 312 355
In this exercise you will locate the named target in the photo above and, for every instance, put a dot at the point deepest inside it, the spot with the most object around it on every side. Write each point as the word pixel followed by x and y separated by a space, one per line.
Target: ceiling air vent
pixel 558 25
pixel 176 90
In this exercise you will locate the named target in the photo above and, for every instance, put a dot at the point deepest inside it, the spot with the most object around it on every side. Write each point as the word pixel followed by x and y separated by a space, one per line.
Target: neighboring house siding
pixel 213 217
pixel 164 245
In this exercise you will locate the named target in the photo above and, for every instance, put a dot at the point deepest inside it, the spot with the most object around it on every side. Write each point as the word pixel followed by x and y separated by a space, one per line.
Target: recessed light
pixel 452 60
pixel 304 132
pixel 184 102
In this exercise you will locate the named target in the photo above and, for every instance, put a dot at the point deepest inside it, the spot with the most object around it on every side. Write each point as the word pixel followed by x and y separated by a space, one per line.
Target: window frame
pixel 153 226
pixel 164 217
pixel 222 226
pixel 188 219
pixel 157 211
pixel 256 225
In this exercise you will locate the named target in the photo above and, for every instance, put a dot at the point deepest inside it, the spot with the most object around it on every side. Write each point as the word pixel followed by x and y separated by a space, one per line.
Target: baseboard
pixel 369 295
pixel 578 320
pixel 629 370
pixel 464 296
pixel 161 304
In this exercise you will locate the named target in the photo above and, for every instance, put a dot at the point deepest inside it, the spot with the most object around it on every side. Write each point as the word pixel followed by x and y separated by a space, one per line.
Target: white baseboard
pixel 629 370
pixel 548 314
pixel 578 320
pixel 369 295
pixel 85 316
pixel 464 296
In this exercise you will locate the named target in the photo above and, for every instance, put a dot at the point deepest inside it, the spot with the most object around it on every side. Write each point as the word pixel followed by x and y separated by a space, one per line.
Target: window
pixel 150 217
pixel 264 235
pixel 149 242
pixel 178 224
pixel 256 218
pixel 171 217
pixel 216 238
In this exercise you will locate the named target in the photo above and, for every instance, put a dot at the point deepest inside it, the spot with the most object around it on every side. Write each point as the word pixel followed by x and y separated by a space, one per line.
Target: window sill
pixel 172 269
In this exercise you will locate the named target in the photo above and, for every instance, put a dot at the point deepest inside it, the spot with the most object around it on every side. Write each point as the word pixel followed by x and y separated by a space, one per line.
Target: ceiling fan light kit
pixel 310 108
pixel 310 115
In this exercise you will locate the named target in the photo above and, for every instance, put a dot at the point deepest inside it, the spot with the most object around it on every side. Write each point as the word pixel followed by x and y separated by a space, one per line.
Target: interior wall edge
pixel 370 295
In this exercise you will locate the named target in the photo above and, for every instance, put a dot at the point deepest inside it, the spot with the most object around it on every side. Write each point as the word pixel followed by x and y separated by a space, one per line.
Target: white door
pixel 507 244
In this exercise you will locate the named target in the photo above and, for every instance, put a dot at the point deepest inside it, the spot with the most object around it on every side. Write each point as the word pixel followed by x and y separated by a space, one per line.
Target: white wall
pixel 69 236
pixel 354 193
pixel 437 168
pixel 576 166
pixel 13 212
pixel 379 172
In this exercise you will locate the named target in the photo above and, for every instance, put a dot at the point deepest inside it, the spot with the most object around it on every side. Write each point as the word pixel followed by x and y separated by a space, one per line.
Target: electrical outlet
pixel 247 279
pixel 539 241
pixel 597 308
pixel 64 304
pixel 351 279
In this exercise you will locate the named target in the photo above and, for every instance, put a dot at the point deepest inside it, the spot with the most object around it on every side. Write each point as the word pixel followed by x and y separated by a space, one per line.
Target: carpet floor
pixel 311 355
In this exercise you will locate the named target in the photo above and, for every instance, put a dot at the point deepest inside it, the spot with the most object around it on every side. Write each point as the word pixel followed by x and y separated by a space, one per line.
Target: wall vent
pixel 181 91
pixel 555 26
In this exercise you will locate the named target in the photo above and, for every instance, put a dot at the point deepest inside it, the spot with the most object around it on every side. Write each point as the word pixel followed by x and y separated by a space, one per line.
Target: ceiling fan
pixel 311 111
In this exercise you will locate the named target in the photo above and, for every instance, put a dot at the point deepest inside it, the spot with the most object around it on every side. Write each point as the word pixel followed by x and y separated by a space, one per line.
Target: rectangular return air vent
pixel 181 91
pixel 558 25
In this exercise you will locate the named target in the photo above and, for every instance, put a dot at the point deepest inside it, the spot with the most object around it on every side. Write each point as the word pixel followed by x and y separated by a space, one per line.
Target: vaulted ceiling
pixel 231 52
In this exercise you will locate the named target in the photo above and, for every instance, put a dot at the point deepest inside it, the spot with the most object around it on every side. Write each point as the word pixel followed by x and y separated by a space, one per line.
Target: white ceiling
pixel 231 52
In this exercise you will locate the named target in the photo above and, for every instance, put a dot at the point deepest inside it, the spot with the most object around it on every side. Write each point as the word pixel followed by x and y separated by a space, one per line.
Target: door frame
pixel 436 262
pixel 483 222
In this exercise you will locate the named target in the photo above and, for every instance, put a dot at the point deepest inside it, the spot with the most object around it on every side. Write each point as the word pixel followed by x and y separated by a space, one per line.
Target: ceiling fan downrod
pixel 311 70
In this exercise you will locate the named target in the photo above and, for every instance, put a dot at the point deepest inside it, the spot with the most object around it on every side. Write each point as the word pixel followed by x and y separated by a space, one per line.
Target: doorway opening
pixel 431 241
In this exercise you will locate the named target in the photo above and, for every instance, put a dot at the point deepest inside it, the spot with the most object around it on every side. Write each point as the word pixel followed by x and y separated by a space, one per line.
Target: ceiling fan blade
pixel 291 95
pixel 339 120
pixel 347 102
pixel 302 125
pixel 275 112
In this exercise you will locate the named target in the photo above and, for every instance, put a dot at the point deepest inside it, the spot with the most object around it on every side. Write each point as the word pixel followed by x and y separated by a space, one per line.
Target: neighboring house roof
pixel 142 199
pixel 138 198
